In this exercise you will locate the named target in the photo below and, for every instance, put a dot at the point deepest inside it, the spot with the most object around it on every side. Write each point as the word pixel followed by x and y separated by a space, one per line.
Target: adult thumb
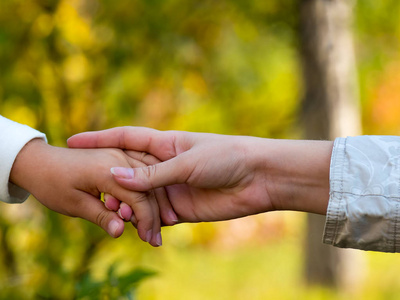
pixel 173 171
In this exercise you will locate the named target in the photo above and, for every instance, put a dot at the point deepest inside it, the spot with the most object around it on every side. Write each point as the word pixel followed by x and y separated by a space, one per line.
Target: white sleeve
pixel 13 137
pixel 364 204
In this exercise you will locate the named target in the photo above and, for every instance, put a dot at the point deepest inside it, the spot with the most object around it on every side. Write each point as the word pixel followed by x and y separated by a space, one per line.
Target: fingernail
pixel 119 214
pixel 105 204
pixel 149 235
pixel 159 239
pixel 173 216
pixel 125 173
pixel 125 211
pixel 113 227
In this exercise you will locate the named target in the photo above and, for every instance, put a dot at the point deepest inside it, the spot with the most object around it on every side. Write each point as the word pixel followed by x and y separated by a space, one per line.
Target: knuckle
pixel 116 153
pixel 143 156
pixel 149 173
pixel 141 198
pixel 148 159
pixel 101 218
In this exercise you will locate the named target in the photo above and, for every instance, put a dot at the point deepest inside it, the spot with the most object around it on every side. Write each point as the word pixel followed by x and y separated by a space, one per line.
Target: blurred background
pixel 229 67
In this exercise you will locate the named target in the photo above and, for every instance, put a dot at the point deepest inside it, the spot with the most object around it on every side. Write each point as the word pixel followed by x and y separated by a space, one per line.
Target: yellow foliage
pixel 75 29
pixel 18 111
pixel 76 68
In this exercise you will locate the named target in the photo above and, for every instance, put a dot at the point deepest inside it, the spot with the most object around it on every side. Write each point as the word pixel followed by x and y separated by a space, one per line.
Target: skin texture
pixel 70 181
pixel 211 177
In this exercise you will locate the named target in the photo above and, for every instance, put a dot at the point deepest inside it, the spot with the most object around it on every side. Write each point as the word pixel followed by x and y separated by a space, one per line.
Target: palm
pixel 193 204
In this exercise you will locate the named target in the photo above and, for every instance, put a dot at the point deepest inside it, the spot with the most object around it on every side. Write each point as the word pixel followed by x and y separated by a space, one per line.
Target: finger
pixel 144 157
pixel 167 213
pixel 142 208
pixel 174 171
pixel 133 220
pixel 158 143
pixel 156 239
pixel 111 202
pixel 125 211
pixel 93 210
pixel 136 202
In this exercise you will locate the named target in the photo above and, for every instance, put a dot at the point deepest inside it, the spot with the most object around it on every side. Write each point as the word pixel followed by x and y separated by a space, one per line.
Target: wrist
pixel 27 164
pixel 297 174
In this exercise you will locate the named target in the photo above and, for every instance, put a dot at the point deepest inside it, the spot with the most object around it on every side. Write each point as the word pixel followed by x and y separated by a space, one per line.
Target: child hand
pixel 70 181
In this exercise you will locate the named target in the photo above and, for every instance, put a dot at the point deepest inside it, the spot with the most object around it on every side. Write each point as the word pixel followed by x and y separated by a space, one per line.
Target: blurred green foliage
pixel 221 66
pixel 69 66
pixel 112 287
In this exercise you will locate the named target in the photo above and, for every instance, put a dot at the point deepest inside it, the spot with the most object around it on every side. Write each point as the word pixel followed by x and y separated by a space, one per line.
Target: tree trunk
pixel 329 109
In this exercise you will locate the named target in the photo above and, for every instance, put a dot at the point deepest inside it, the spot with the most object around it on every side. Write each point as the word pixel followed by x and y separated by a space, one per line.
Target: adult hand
pixel 211 177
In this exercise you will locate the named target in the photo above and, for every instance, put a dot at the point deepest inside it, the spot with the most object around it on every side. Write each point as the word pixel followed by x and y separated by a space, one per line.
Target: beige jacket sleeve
pixel 364 205
pixel 13 137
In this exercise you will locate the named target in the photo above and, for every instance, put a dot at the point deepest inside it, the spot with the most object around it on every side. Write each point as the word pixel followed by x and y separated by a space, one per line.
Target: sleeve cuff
pixel 335 213
pixel 364 205
pixel 14 137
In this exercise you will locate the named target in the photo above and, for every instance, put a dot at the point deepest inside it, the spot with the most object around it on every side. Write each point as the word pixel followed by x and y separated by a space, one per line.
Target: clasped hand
pixel 200 177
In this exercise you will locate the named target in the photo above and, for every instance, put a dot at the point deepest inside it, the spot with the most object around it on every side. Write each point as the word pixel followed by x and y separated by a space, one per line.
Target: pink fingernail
pixel 105 204
pixel 113 227
pixel 125 173
pixel 125 211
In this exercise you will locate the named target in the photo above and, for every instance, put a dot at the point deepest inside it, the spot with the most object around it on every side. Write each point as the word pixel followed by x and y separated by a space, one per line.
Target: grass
pixel 272 270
